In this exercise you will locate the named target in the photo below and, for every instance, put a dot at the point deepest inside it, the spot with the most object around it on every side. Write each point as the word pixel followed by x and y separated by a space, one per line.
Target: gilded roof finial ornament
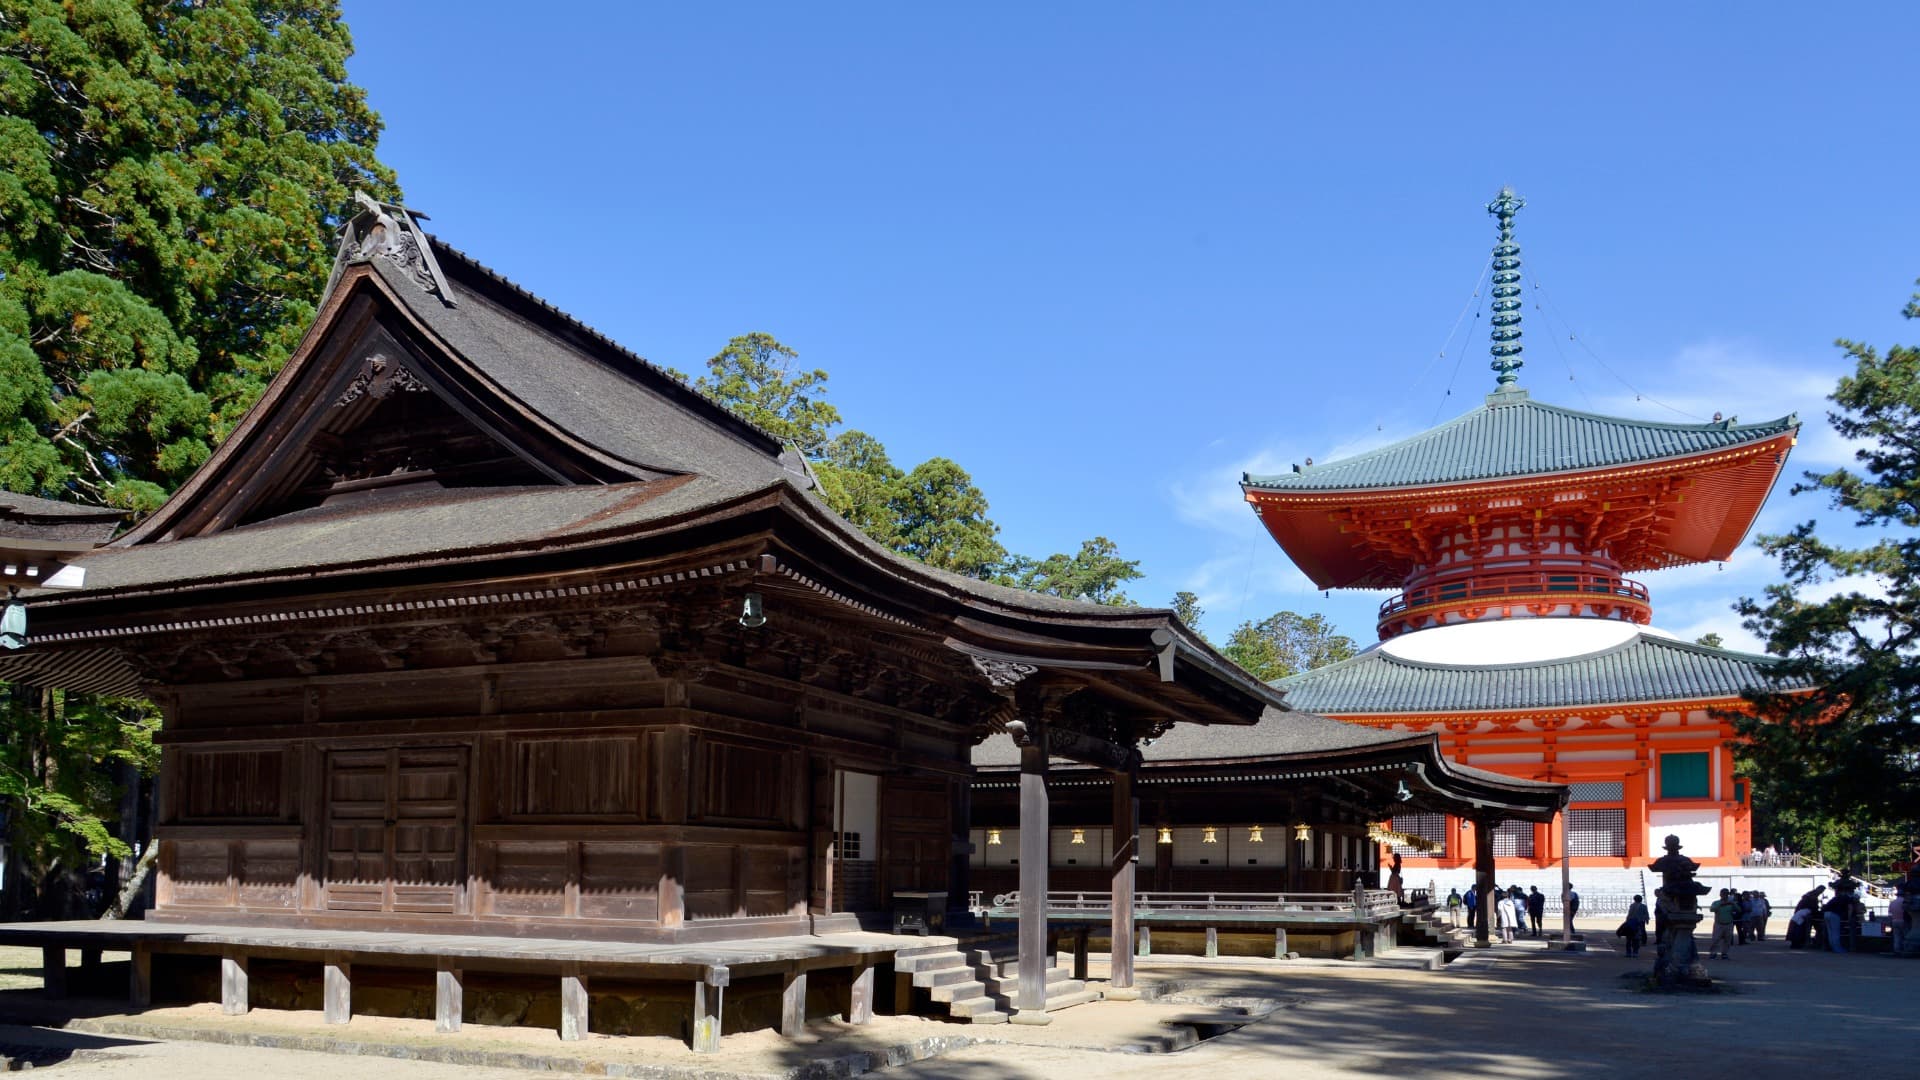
pixel 1506 290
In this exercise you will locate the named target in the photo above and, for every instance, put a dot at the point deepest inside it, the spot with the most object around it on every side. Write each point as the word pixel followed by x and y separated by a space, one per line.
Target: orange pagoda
pixel 1517 632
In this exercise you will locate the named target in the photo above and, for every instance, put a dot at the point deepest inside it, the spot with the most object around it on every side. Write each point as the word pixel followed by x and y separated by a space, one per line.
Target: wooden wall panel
pixel 573 776
pixel 708 886
pixel 620 881
pixel 770 880
pixel 233 785
pixel 745 783
pixel 526 877
pixel 200 872
pixel 268 873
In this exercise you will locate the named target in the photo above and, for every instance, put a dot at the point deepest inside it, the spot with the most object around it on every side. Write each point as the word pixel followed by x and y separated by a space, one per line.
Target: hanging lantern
pixel 1079 837
pixel 1166 835
pixel 1255 836
pixel 1302 833
pixel 993 836
pixel 1207 836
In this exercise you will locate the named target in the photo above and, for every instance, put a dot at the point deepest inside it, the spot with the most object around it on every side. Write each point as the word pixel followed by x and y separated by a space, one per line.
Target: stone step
pixel 966 1008
pixel 1078 996
pixel 957 991
pixel 943 976
pixel 1010 982
pixel 994 1017
pixel 928 961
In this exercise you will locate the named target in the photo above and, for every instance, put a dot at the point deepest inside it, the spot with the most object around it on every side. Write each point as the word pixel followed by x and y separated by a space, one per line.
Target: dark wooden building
pixel 1291 804
pixel 480 623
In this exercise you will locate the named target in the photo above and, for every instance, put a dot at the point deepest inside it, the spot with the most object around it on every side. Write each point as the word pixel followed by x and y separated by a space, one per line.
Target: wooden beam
pixel 233 984
pixel 1035 834
pixel 337 989
pixel 860 994
pixel 573 1004
pixel 449 999
pixel 140 977
pixel 53 970
pixel 1126 860
pixel 793 1002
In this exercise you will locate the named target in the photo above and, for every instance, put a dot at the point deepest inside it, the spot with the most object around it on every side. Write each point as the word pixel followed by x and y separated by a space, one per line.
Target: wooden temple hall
pixel 500 669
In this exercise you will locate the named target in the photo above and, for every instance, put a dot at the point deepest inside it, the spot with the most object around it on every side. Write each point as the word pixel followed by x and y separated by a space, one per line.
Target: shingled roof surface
pixel 30 517
pixel 583 383
pixel 1280 732
pixel 1513 435
pixel 1643 668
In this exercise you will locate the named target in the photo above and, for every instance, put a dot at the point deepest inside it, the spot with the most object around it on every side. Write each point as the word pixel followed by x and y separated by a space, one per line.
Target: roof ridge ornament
pixel 390 230
pixel 1506 291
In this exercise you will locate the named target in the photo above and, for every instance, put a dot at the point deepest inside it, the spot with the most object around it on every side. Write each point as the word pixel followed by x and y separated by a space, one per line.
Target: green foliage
pixel 754 377
pixel 54 758
pixel 1187 606
pixel 170 176
pixel 1847 619
pixel 1711 640
pixel 1286 643
pixel 933 512
pixel 1094 573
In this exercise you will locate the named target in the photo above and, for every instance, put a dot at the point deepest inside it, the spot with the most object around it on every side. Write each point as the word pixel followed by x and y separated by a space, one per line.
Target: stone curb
pixel 833 1068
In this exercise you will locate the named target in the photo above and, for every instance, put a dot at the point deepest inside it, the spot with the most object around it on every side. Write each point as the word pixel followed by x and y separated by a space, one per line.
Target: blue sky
pixel 1107 256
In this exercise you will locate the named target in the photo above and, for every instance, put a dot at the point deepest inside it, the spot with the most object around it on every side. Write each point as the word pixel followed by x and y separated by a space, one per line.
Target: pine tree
pixel 1849 751
pixel 170 180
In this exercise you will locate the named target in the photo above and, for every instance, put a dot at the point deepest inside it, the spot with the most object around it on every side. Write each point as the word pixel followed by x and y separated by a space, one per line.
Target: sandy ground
pixel 1524 1011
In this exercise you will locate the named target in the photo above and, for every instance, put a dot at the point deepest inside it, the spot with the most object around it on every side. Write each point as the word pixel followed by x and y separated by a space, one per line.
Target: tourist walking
pixel 1762 911
pixel 1472 901
pixel 1573 903
pixel 1726 916
pixel 1897 921
pixel 1536 908
pixel 1633 931
pixel 1502 916
pixel 1454 903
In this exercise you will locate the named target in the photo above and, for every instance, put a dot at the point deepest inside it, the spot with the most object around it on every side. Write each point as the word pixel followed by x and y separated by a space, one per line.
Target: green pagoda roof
pixel 1643 668
pixel 1513 435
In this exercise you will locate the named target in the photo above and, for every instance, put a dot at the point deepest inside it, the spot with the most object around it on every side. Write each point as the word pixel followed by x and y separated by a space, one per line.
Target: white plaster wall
pixel 859 801
pixel 1698 830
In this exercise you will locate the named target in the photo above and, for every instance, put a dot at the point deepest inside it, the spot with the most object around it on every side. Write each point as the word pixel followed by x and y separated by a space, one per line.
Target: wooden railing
pixel 1575 583
pixel 1362 903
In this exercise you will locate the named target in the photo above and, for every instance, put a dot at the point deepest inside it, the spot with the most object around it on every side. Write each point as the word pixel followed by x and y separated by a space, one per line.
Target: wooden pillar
pixel 860 994
pixel 1279 943
pixel 449 999
pixel 89 960
pixel 1126 858
pixel 1566 884
pixel 1146 941
pixel 337 990
pixel 1035 834
pixel 1080 935
pixel 573 1006
pixel 706 1022
pixel 53 970
pixel 1483 875
pixel 140 977
pixel 233 984
pixel 793 1002
pixel 1213 941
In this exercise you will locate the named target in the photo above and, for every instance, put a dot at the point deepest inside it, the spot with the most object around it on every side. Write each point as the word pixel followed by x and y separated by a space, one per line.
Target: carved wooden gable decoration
pixel 414 379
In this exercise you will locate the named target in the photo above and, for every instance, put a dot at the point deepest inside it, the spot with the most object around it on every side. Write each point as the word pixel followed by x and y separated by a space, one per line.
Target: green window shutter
pixel 1686 776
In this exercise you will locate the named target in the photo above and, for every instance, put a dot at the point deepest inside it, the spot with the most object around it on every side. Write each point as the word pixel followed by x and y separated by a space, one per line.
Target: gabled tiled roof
pixel 1512 435
pixel 1644 668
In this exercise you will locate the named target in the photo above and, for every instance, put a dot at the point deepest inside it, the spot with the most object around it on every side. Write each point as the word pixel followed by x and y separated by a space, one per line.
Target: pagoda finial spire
pixel 1506 290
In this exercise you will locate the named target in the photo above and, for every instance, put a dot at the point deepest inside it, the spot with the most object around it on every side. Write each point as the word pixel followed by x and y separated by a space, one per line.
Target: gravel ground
pixel 1525 1011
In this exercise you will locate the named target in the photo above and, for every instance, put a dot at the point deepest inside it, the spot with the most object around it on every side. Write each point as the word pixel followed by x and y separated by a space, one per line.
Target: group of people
pixel 1826 925
pixel 1738 917
pixel 1514 910
pixel 1770 856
